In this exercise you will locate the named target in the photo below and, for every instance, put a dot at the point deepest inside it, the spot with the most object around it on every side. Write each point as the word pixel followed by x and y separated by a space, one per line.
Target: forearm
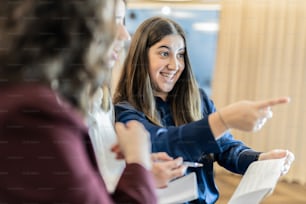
pixel 188 141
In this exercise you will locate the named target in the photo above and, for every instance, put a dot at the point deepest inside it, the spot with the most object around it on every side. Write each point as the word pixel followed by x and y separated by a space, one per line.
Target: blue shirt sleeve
pixel 193 140
pixel 189 141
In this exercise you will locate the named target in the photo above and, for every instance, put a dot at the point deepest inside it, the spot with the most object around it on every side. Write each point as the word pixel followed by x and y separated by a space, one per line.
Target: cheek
pixel 157 64
pixel 152 72
pixel 182 64
pixel 181 68
pixel 153 66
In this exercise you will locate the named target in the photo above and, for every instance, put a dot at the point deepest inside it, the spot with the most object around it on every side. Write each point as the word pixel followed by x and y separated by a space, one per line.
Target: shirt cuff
pixel 246 158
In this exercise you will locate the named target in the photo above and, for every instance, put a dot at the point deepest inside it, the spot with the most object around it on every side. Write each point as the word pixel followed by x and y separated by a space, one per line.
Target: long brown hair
pixel 135 85
pixel 58 43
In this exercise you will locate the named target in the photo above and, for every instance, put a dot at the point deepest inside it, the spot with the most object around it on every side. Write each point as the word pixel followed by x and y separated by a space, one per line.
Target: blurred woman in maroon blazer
pixel 50 53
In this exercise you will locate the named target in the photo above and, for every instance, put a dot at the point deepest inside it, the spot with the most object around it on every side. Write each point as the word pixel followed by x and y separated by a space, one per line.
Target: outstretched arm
pixel 243 115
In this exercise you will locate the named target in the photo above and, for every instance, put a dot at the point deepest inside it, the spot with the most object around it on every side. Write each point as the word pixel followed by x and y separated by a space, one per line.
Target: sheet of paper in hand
pixel 258 182
pixel 179 190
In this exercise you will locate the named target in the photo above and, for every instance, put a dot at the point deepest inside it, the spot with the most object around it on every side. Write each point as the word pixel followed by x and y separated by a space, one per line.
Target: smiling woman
pixel 158 89
pixel 199 19
pixel 166 64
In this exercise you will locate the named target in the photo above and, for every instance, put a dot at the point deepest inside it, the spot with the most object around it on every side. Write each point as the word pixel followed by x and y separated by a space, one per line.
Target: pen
pixel 192 164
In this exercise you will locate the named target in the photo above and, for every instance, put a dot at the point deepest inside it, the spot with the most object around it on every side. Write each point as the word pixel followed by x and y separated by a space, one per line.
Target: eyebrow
pixel 165 46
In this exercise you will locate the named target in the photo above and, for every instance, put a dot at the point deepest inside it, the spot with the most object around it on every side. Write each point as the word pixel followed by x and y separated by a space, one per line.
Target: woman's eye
pixel 164 54
pixel 181 55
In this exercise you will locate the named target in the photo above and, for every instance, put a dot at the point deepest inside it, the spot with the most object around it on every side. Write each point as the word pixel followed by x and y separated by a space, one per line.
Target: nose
pixel 123 33
pixel 174 64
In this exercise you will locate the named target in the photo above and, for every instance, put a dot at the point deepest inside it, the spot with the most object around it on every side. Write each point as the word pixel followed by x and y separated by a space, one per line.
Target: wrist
pixel 216 125
pixel 257 157
pixel 222 120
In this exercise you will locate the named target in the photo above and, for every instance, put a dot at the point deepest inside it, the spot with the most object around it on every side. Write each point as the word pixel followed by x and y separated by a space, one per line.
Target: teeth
pixel 167 75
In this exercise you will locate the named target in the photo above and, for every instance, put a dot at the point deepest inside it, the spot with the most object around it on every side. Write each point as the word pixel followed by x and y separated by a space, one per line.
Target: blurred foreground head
pixel 61 43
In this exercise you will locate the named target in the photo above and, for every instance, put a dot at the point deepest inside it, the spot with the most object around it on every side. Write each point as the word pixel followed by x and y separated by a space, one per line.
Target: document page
pixel 259 181
pixel 180 190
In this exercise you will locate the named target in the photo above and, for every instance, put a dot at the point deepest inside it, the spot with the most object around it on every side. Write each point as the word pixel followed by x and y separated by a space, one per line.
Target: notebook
pixel 179 190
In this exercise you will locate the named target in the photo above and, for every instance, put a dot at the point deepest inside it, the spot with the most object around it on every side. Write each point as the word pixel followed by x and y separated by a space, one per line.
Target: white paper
pixel 179 191
pixel 258 181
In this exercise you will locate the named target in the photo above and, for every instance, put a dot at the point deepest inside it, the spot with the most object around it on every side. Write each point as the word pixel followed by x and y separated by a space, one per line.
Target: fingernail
pixel 289 99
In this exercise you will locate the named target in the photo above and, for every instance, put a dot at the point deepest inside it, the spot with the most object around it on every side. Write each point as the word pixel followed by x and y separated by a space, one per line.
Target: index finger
pixel 273 102
pixel 173 164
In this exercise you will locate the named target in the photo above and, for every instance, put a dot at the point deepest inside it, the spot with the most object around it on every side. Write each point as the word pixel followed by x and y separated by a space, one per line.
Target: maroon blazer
pixel 46 155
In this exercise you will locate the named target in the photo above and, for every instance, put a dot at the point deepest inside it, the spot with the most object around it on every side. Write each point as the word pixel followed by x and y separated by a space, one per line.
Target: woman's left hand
pixel 278 154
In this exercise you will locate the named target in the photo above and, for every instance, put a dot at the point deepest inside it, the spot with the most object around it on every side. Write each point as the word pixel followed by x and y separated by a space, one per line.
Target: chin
pixel 166 89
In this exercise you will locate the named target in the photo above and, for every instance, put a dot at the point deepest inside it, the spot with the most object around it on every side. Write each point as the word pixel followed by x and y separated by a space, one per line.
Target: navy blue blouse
pixel 194 142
